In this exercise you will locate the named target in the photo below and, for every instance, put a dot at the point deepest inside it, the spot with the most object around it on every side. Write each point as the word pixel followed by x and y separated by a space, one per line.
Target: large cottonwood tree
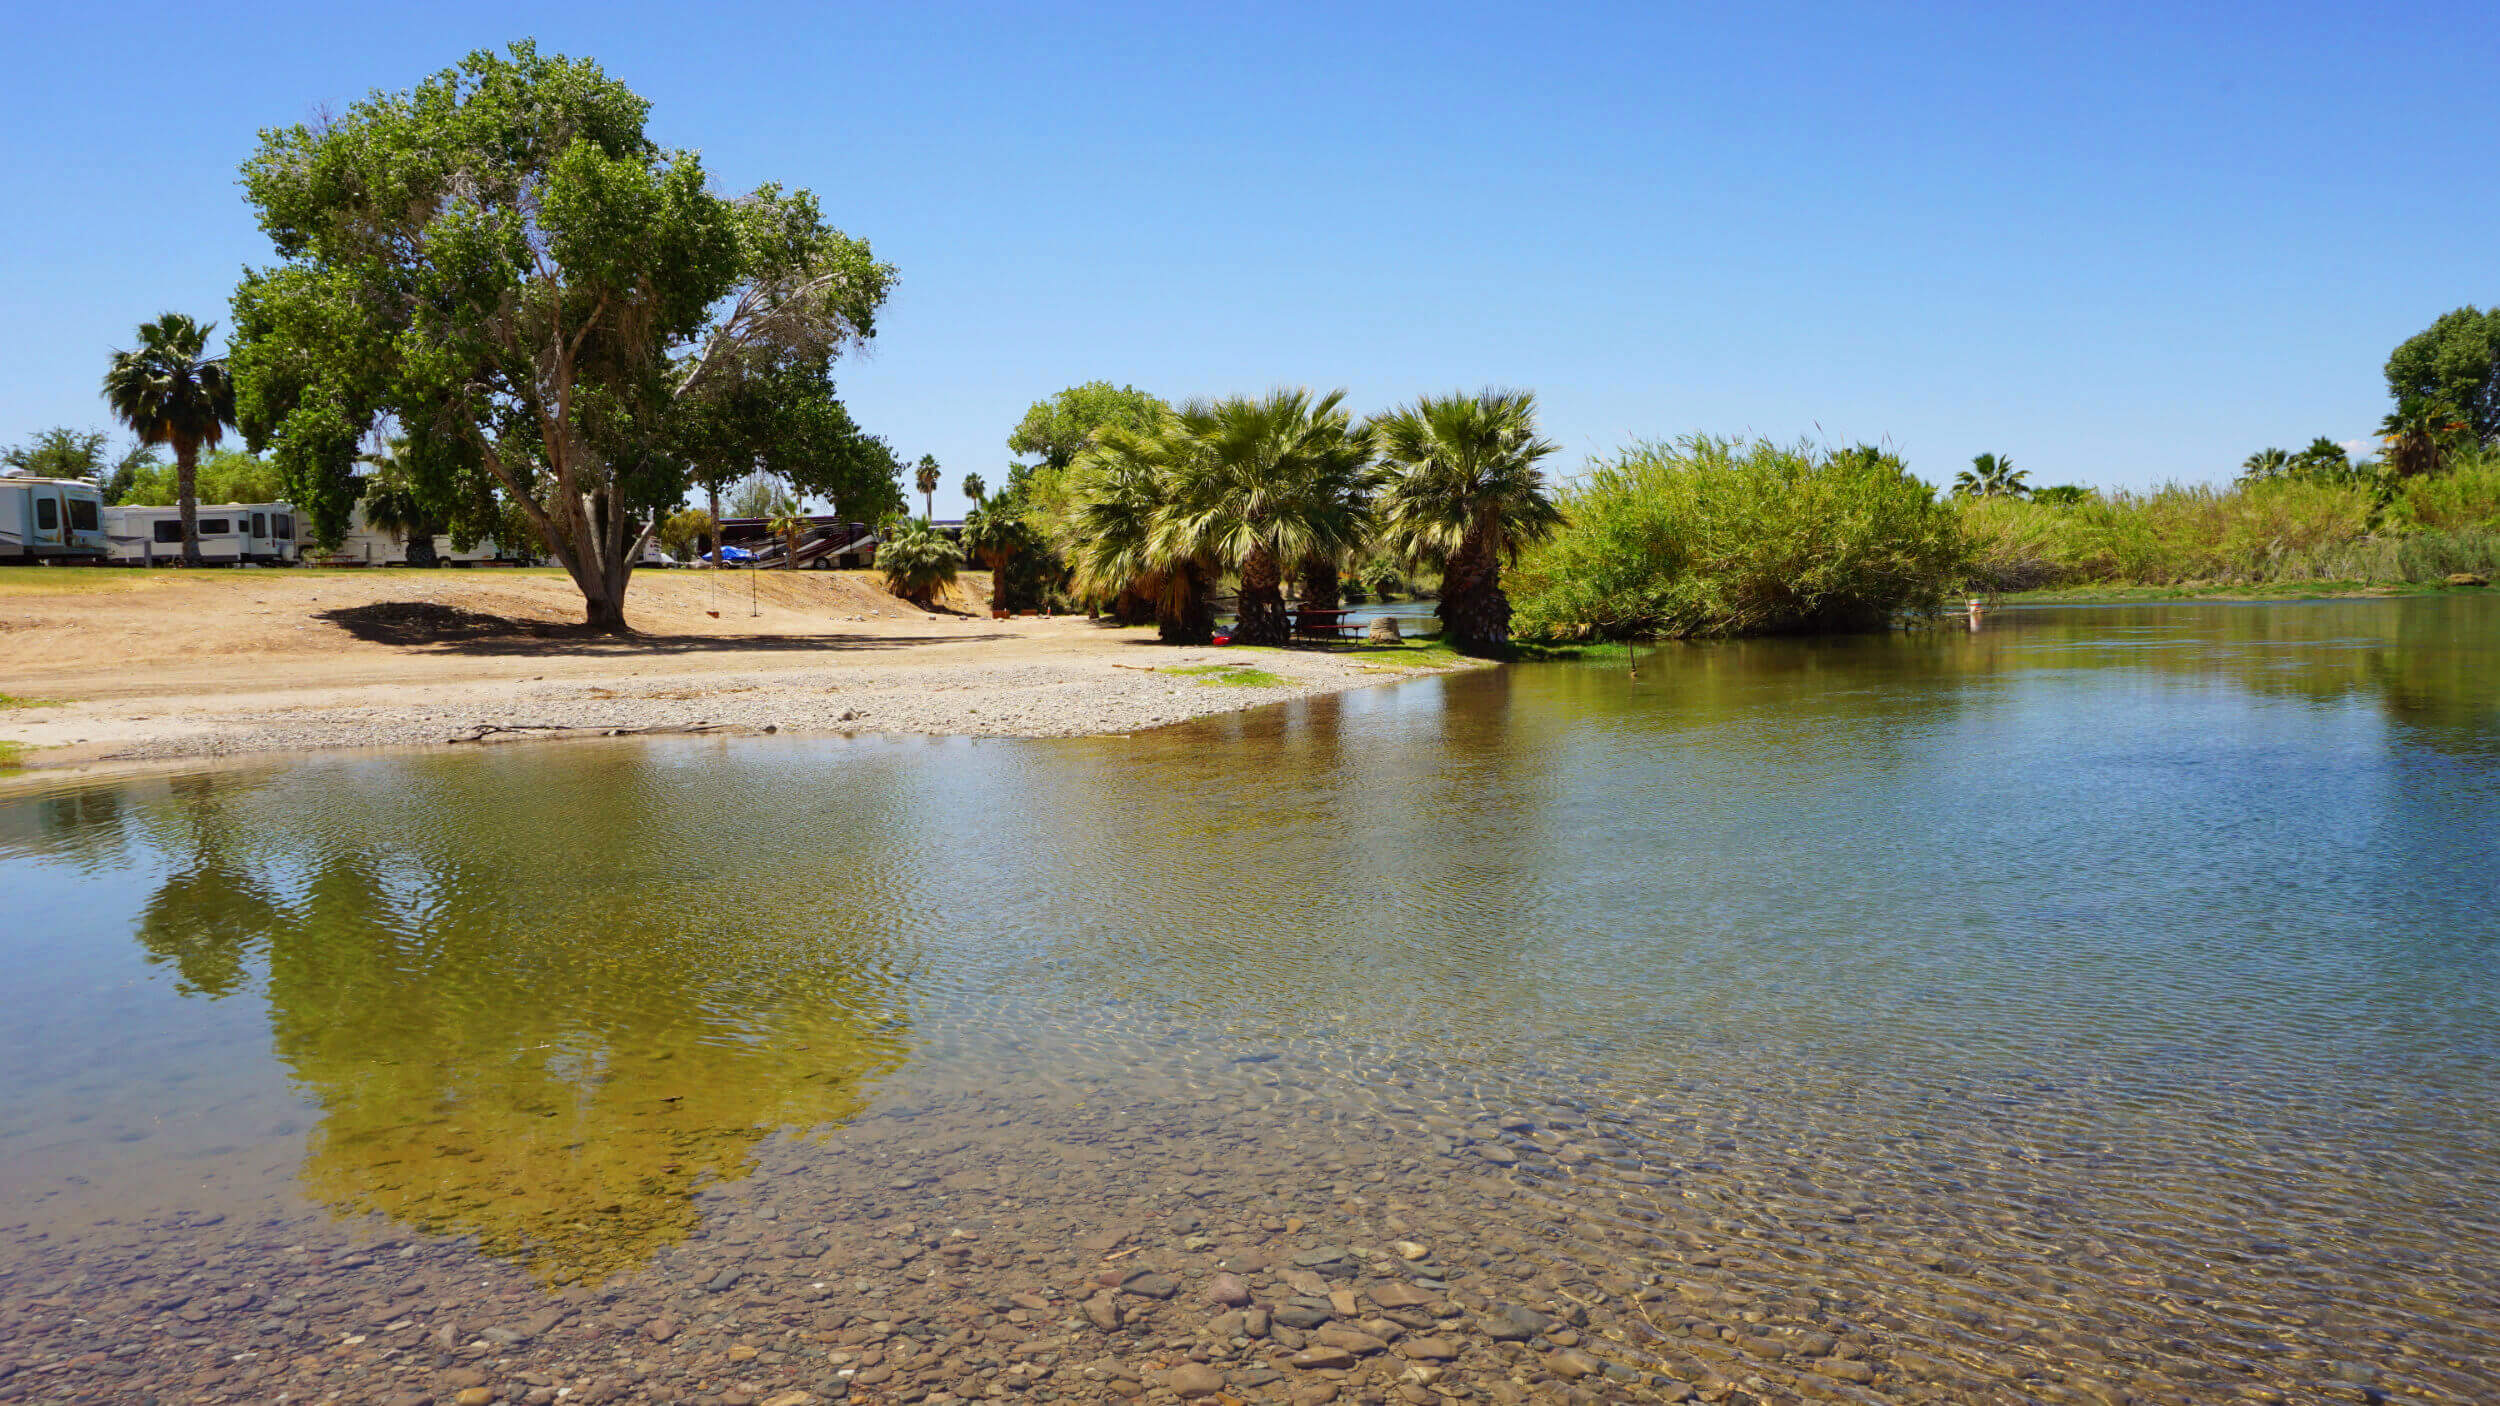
pixel 558 314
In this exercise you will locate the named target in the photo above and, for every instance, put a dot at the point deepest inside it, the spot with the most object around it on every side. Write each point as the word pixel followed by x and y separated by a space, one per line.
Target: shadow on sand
pixel 451 630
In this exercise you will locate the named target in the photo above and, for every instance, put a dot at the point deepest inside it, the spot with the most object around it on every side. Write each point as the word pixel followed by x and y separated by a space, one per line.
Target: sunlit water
pixel 2100 1005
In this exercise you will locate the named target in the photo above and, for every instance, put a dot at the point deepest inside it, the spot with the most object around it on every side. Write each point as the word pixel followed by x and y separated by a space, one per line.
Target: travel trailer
pixel 366 545
pixel 51 519
pixel 230 533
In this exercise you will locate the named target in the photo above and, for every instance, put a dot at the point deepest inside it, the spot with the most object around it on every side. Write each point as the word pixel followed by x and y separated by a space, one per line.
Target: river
pixel 2097 1006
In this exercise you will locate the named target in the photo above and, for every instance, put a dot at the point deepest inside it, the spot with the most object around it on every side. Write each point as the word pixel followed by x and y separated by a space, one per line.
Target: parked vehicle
pixel 364 545
pixel 230 533
pixel 51 519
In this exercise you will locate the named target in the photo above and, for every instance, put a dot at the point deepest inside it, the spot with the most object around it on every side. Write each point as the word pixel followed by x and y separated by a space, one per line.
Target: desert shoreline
pixel 114 670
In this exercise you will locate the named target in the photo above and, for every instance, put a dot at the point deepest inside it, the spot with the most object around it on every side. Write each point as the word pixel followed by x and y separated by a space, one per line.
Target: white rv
pixel 365 545
pixel 229 533
pixel 51 519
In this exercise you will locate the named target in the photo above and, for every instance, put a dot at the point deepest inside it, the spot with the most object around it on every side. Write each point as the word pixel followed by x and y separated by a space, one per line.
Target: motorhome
pixel 51 519
pixel 366 545
pixel 230 533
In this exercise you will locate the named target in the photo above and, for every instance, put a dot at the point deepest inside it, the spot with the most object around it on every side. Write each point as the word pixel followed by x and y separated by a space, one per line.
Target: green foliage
pixel 2421 434
pixel 916 559
pixel 226 476
pixel 1229 675
pixel 57 453
pixel 925 478
pixel 752 496
pixel 1057 430
pixel 2270 529
pixel 684 532
pixel 560 315
pixel 995 535
pixel 169 391
pixel 2454 362
pixel 1707 536
pixel 2062 494
pixel 975 489
pixel 2466 498
pixel 1465 493
pixel 1991 476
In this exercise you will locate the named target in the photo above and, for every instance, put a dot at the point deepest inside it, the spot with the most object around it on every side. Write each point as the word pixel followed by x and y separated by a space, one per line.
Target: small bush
pixel 1707 536
pixel 2465 498
pixel 916 560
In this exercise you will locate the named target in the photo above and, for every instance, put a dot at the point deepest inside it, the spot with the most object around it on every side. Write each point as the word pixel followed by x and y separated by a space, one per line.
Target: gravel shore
pixel 1050 697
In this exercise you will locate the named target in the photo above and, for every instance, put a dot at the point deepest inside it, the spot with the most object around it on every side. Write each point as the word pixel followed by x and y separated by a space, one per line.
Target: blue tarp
pixel 733 555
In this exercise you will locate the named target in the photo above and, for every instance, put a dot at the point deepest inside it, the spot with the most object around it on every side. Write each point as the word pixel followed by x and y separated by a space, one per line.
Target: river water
pixel 2098 1006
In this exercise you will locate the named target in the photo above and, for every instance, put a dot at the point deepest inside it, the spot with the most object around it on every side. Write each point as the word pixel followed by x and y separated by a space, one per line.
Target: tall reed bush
pixel 1709 536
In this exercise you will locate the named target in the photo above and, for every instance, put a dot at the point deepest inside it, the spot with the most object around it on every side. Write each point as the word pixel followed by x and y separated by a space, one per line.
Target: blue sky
pixel 2120 244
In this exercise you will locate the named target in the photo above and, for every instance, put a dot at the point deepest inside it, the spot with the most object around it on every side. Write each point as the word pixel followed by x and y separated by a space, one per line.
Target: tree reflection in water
pixel 506 1038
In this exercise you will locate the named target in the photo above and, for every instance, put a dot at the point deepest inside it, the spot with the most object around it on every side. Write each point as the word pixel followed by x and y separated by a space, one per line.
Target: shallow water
pixel 2099 1006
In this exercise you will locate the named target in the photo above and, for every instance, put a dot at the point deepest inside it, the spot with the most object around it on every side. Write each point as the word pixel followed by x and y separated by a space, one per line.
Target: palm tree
pixel 789 524
pixel 916 559
pixel 2264 464
pixel 1270 483
pixel 392 503
pixel 2419 435
pixel 996 537
pixel 169 394
pixel 1465 491
pixel 974 488
pixel 1992 476
pixel 1117 490
pixel 926 479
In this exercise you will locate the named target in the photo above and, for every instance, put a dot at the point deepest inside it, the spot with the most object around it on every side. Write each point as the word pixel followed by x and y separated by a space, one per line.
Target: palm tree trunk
pixel 421 549
pixel 1473 610
pixel 1181 613
pixel 713 490
pixel 1320 588
pixel 187 493
pixel 1263 619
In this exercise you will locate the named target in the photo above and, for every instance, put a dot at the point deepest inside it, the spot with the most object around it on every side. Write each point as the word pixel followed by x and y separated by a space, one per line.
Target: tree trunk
pixel 1181 613
pixel 1263 618
pixel 1474 612
pixel 714 491
pixel 421 549
pixel 187 493
pixel 1320 589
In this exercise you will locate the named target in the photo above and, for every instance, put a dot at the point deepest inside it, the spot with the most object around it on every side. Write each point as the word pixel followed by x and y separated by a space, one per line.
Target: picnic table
pixel 1319 623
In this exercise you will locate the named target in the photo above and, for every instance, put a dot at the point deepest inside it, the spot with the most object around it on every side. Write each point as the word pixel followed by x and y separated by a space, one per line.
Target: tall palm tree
pixel 1118 491
pixel 1271 483
pixel 974 489
pixel 926 480
pixel 1465 490
pixel 997 537
pixel 171 394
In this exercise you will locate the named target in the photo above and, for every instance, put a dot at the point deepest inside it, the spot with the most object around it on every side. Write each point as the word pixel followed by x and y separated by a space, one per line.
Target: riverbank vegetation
pixel 1706 536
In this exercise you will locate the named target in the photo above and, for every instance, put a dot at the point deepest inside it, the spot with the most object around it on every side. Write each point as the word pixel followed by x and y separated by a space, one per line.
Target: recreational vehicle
pixel 229 533
pixel 50 519
pixel 367 545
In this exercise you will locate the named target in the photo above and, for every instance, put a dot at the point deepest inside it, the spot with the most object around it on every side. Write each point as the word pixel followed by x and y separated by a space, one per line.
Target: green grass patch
pixel 12 755
pixel 11 700
pixel 1226 675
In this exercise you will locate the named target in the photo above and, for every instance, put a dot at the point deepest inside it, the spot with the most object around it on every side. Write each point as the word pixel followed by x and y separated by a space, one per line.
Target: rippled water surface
pixel 2098 1007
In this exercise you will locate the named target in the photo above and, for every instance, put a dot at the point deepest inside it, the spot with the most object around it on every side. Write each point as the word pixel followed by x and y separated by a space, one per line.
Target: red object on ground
pixel 1223 639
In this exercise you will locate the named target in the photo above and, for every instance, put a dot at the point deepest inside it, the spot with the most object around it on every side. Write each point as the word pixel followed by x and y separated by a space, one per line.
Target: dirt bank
pixel 117 665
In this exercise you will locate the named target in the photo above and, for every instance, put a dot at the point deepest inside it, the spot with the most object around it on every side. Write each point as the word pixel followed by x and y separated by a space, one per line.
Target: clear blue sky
pixel 2120 244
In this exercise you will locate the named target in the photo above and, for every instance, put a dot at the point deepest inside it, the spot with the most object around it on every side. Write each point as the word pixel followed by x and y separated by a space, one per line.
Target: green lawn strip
pixel 1226 675
pixel 11 700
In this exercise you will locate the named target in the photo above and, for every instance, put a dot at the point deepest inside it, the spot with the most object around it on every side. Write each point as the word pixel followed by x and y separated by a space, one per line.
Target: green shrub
pixel 2466 497
pixel 1708 536
pixel 916 559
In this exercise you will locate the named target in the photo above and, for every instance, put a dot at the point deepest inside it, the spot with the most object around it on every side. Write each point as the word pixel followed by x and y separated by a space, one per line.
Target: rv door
pixel 49 525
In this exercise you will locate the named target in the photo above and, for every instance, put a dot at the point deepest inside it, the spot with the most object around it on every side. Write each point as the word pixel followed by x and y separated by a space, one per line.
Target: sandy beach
pixel 110 667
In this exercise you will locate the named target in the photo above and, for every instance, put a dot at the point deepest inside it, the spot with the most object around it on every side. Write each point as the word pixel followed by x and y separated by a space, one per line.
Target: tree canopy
pixel 2452 364
pixel 549 306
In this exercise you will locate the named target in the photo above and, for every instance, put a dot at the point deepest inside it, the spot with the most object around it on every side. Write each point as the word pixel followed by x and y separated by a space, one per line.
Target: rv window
pixel 82 514
pixel 47 514
pixel 169 530
pixel 260 524
pixel 212 527
pixel 285 523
